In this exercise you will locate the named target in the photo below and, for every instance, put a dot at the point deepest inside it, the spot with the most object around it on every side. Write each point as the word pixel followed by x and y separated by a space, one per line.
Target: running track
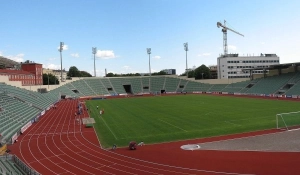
pixel 57 144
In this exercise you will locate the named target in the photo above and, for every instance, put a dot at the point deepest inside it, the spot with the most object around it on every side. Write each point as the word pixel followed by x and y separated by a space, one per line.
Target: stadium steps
pixel 118 85
pixel 145 83
pixel 181 85
pixel 7 167
pixel 88 85
pixel 217 87
pixel 270 85
pixel 98 87
pixel 106 83
pixel 171 84
pixel 157 83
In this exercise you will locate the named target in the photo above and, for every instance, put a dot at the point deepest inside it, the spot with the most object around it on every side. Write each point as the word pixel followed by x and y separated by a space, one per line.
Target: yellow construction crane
pixel 224 30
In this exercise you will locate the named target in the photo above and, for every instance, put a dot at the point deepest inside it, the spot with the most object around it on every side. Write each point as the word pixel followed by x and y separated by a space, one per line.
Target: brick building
pixel 35 69
pixel 25 77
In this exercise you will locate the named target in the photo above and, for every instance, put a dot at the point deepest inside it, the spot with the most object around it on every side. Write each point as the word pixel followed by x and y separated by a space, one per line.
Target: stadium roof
pixel 275 66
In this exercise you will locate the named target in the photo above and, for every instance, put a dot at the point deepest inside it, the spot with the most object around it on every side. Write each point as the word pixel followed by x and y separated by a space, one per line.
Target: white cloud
pixel 204 54
pixel 51 66
pixel 99 73
pixel 76 55
pixel 65 47
pixel 126 67
pixel 17 58
pixel 157 57
pixel 51 59
pixel 262 43
pixel 231 47
pixel 1 53
pixel 105 54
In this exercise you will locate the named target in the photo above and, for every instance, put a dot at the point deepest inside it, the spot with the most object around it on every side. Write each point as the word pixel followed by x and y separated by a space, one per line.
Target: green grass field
pixel 170 118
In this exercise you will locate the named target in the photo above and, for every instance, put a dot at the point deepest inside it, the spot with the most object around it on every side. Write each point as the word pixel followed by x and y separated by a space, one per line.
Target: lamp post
pixel 149 53
pixel 61 48
pixel 186 48
pixel 94 49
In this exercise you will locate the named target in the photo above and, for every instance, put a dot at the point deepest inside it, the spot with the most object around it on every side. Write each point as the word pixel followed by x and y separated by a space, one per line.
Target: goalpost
pixel 288 121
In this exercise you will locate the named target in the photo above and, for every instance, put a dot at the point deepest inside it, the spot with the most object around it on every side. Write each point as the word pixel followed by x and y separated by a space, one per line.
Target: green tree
pixel 52 79
pixel 202 72
pixel 110 74
pixel 85 74
pixel 74 72
pixel 191 74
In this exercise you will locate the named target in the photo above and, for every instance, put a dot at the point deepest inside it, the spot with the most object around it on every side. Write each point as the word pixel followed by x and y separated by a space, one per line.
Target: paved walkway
pixel 287 141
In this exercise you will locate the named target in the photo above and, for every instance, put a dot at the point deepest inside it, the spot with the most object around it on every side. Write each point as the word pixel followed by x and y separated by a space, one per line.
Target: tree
pixel 202 72
pixel 110 74
pixel 85 74
pixel 191 74
pixel 52 79
pixel 74 72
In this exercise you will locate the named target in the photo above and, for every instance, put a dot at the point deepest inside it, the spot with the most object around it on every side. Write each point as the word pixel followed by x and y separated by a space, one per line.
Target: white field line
pixel 173 125
pixel 109 129
pixel 248 119
pixel 232 123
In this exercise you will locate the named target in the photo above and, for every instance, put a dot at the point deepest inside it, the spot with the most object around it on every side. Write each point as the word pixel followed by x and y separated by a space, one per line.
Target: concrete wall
pixel 34 87
pixel 217 81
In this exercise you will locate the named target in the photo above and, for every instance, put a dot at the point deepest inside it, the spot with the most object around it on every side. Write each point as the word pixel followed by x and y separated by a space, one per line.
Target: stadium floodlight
pixel 61 48
pixel 149 53
pixel 94 49
pixel 186 48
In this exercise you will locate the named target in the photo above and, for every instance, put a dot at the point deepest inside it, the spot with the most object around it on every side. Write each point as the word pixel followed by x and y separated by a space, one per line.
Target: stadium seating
pixel 171 84
pixel 270 85
pixel 181 85
pixel 19 106
pixel 217 87
pixel 118 85
pixel 236 87
pixel 83 88
pixel 145 83
pixel 15 115
pixel 157 83
pixel 8 167
pixel 97 86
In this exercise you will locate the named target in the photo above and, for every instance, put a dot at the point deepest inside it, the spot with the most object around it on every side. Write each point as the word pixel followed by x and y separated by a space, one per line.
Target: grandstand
pixel 12 165
pixel 20 106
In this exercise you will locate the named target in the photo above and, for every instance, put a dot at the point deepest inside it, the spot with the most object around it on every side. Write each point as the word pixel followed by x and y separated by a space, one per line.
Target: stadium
pixel 164 93
pixel 188 127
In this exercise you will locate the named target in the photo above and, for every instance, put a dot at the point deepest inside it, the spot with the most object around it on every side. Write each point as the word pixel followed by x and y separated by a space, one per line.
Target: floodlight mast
pixel 186 48
pixel 94 49
pixel 224 30
pixel 149 53
pixel 61 48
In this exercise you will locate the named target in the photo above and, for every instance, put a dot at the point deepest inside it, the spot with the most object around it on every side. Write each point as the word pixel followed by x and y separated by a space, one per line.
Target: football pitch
pixel 170 118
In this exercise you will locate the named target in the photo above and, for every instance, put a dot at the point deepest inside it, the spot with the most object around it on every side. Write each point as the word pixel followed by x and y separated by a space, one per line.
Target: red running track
pixel 57 144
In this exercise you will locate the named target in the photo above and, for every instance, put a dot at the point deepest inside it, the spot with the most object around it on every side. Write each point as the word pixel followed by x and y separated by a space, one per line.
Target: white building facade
pixel 232 65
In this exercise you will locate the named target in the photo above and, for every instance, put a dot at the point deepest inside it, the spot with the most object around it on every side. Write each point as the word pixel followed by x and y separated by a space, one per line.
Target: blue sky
pixel 122 30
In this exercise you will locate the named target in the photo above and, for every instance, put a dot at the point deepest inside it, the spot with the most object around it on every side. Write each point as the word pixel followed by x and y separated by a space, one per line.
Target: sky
pixel 123 29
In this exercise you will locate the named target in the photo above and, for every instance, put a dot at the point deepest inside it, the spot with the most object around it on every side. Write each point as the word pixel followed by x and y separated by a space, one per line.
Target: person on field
pixel 114 147
pixel 97 107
